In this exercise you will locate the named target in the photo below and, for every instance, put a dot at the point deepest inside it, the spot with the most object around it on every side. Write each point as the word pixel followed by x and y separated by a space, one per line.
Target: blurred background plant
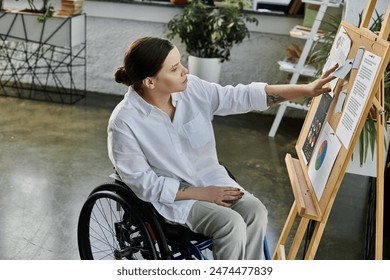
pixel 210 29
pixel 47 9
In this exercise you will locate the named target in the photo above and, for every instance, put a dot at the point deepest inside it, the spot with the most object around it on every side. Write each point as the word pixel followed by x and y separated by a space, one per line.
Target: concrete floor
pixel 52 155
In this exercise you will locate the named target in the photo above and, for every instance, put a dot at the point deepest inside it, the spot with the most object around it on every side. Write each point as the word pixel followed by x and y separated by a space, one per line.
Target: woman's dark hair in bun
pixel 144 58
pixel 121 75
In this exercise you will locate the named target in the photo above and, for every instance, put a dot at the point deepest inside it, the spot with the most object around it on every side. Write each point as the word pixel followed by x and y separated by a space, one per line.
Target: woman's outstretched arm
pixel 280 93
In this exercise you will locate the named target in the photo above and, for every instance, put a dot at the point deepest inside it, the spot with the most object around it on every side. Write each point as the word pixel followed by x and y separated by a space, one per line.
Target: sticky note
pixel 340 102
pixel 358 58
pixel 343 70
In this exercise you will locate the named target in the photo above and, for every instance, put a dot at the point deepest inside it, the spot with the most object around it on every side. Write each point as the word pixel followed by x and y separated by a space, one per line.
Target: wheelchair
pixel 115 224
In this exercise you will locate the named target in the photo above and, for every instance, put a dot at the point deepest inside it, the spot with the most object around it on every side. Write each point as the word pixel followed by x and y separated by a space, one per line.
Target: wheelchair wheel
pixel 109 229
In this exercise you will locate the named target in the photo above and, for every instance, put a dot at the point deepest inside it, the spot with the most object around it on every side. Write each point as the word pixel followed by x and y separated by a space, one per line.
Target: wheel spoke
pixel 102 228
pixel 112 232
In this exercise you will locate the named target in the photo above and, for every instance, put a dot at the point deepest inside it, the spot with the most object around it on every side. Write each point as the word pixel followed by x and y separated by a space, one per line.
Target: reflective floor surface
pixel 52 155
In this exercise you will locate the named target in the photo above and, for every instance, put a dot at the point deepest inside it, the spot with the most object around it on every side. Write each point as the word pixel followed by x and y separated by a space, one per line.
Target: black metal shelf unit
pixel 43 60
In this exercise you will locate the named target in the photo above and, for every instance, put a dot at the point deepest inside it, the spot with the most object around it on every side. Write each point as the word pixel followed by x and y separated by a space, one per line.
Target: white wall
pixel 354 7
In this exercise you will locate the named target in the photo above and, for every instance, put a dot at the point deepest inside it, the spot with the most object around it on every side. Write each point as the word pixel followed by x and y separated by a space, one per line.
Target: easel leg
pixel 318 231
pixel 315 240
pixel 298 238
pixel 379 221
pixel 380 174
pixel 285 232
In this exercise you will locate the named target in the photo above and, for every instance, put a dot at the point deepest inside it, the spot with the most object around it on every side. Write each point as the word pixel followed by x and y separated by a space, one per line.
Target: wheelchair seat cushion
pixel 182 233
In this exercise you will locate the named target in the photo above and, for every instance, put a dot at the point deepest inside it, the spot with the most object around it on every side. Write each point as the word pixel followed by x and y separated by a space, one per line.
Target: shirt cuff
pixel 258 96
pixel 169 191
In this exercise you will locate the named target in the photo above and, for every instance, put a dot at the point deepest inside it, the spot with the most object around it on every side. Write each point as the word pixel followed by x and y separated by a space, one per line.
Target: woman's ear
pixel 148 82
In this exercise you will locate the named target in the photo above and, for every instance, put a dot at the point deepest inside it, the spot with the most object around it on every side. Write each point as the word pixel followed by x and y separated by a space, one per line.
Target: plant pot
pixel 208 69
pixel 369 166
pixel 179 2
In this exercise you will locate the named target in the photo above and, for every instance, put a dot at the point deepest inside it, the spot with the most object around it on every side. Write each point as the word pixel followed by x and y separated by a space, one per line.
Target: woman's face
pixel 173 75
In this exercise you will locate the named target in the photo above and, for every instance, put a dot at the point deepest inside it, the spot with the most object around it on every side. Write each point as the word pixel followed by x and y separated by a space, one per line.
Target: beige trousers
pixel 237 232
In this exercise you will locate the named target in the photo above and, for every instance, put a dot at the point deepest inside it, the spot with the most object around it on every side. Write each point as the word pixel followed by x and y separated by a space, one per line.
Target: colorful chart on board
pixel 321 154
pixel 324 157
pixel 316 126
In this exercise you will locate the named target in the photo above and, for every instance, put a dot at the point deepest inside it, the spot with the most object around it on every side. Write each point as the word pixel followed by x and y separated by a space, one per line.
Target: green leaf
pixel 211 31
pixel 361 148
pixel 372 133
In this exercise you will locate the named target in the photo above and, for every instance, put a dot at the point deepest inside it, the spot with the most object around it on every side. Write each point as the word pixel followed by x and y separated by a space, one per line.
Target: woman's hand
pixel 279 93
pixel 224 196
pixel 318 87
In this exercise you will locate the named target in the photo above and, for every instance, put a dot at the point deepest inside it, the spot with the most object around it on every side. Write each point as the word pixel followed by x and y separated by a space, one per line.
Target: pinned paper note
pixel 358 58
pixel 358 96
pixel 338 53
pixel 343 70
pixel 340 102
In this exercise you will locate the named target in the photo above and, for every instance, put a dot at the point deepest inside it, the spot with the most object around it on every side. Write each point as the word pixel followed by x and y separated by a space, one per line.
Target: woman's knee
pixel 253 210
pixel 262 213
pixel 233 225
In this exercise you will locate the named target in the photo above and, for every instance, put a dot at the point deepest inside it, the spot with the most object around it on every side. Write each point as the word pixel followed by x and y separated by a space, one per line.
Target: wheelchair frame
pixel 133 229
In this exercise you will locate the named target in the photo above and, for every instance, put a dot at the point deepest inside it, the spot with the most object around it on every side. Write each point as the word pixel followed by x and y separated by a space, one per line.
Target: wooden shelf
pixel 302 32
pixel 332 3
pixel 307 70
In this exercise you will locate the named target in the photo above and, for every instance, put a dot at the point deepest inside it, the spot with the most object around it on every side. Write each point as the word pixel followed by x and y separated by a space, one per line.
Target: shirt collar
pixel 176 97
pixel 139 102
pixel 144 106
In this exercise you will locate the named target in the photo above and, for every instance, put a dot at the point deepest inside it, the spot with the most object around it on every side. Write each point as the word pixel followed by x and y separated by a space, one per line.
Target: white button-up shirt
pixel 153 154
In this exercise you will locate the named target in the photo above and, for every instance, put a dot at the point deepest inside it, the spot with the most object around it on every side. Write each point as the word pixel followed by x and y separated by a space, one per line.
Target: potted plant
pixel 209 31
pixel 367 140
pixel 46 10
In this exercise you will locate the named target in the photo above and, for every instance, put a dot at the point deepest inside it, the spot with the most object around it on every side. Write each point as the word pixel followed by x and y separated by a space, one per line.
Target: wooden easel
pixel 306 204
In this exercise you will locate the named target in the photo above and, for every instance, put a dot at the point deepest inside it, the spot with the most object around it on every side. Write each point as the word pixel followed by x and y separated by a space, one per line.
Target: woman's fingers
pixel 230 196
pixel 320 84
pixel 225 196
pixel 328 79
pixel 329 71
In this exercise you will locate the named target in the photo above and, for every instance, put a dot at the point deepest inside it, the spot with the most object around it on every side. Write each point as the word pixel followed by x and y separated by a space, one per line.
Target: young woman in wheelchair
pixel 161 143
